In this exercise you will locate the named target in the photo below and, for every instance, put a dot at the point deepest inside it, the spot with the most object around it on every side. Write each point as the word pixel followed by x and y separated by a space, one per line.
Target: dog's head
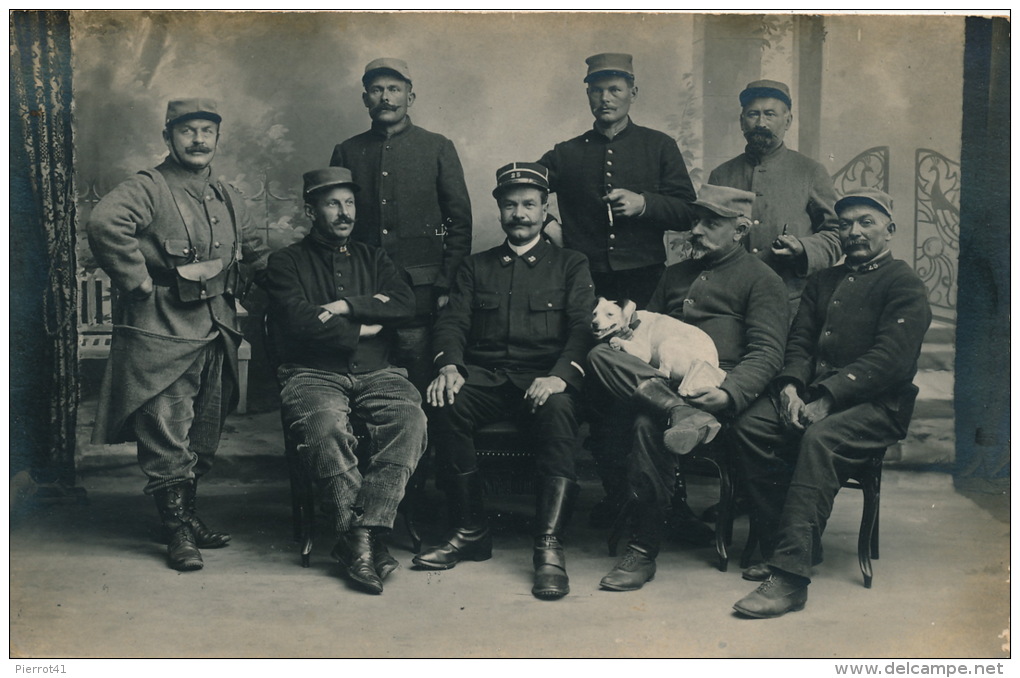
pixel 609 317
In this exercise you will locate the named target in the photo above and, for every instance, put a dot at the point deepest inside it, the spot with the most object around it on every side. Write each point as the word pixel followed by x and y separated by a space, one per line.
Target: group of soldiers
pixel 382 315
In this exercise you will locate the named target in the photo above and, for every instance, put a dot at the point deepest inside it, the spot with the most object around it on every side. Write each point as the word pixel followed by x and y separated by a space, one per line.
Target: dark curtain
pixel 983 316
pixel 43 299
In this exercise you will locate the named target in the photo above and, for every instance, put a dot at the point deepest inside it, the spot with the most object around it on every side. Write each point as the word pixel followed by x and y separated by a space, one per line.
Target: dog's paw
pixel 617 343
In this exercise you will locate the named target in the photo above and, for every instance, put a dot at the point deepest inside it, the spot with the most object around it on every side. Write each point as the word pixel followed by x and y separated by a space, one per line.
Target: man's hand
pixel 369 330
pixel 787 246
pixel 381 297
pixel 338 307
pixel 441 301
pixel 445 387
pixel 541 389
pixel 625 203
pixel 711 399
pixel 143 291
pixel 790 406
pixel 816 410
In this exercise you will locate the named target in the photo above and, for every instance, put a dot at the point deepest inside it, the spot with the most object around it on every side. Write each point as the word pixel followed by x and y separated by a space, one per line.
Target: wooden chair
pixel 97 299
pixel 712 459
pixel 302 485
pixel 868 479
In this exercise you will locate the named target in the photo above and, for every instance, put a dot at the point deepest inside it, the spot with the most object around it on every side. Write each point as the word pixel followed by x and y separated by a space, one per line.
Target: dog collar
pixel 634 324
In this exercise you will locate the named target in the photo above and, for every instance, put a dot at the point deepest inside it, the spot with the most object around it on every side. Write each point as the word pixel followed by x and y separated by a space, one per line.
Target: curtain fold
pixel 44 360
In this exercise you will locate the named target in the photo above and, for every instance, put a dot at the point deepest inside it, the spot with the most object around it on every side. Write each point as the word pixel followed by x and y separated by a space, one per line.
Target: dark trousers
pixel 792 476
pixel 412 350
pixel 179 430
pixel 636 284
pixel 553 427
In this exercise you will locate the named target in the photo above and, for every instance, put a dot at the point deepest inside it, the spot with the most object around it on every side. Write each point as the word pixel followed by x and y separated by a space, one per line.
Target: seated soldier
pixel 845 394
pixel 741 304
pixel 332 301
pixel 511 342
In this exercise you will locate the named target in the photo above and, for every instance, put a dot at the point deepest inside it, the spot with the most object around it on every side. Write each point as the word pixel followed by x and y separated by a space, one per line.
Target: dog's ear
pixel 629 309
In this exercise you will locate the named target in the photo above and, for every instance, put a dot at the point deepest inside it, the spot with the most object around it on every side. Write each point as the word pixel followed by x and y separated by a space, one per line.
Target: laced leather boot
pixel 384 562
pixel 356 553
pixel 470 539
pixel 182 551
pixel 687 428
pixel 204 537
pixel 555 504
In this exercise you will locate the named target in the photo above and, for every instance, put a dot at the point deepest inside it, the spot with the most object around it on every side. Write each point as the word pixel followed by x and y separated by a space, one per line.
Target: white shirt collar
pixel 521 250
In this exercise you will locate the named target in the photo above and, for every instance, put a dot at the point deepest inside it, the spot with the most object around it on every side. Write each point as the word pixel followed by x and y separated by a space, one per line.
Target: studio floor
pixel 89 579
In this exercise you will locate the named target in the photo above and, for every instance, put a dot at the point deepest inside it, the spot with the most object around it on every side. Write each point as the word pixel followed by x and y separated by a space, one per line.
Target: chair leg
pixel 724 522
pixel 869 520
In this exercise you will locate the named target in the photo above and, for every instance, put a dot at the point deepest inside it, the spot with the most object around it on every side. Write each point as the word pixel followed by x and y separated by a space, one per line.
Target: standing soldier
pixel 171 239
pixel 413 203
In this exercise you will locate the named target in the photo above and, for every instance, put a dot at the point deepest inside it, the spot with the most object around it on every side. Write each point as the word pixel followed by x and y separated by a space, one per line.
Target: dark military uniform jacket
pixel 858 334
pixel 137 232
pixel 315 271
pixel 413 203
pixel 639 159
pixel 518 318
pixel 791 190
pixel 739 302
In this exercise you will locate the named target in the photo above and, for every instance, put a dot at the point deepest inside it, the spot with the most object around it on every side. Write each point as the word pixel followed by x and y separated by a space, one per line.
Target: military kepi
pixel 387 66
pixel 866 196
pixel 766 89
pixel 179 110
pixel 328 177
pixel 611 63
pixel 521 174
pixel 725 201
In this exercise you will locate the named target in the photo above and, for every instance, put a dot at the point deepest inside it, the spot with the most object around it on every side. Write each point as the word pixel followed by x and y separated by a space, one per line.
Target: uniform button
pixel 385 174
pixel 339 274
pixel 828 332
pixel 612 236
pixel 688 301
pixel 549 304
pixel 384 201
pixel 384 231
pixel 609 187
pixel 339 287
pixel 851 278
pixel 756 222
pixel 704 277
pixel 215 220
pixel 610 151
pixel 389 147
pixel 610 247
pixel 609 162
pixel 754 250
pixel 835 302
pixel 208 197
pixel 215 244
pixel 609 174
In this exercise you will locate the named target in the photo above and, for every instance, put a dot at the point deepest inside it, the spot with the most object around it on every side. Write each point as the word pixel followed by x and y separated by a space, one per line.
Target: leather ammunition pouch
pixel 203 280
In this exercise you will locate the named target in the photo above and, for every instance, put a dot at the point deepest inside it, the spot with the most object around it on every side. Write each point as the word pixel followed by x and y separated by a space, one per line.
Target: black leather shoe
pixel 635 568
pixel 759 572
pixel 384 562
pixel 181 550
pixel 355 553
pixel 777 595
pixel 551 581
pixel 462 544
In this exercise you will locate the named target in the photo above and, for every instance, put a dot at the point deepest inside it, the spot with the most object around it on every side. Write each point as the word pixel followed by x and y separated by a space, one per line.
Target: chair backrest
pixel 95 306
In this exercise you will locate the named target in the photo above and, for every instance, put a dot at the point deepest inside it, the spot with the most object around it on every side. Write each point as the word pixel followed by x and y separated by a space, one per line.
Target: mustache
pixel 759 132
pixel 198 148
pixel 385 107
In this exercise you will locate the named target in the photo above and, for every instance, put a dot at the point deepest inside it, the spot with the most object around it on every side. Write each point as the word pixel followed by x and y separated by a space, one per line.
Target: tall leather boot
pixel 555 505
pixel 688 427
pixel 182 552
pixel 470 538
pixel 204 537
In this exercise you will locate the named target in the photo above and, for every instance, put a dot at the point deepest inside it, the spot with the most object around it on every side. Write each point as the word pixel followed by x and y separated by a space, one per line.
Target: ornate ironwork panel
pixel 870 169
pixel 937 228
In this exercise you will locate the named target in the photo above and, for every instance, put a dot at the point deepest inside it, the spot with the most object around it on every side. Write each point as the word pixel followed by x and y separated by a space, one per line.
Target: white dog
pixel 681 352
